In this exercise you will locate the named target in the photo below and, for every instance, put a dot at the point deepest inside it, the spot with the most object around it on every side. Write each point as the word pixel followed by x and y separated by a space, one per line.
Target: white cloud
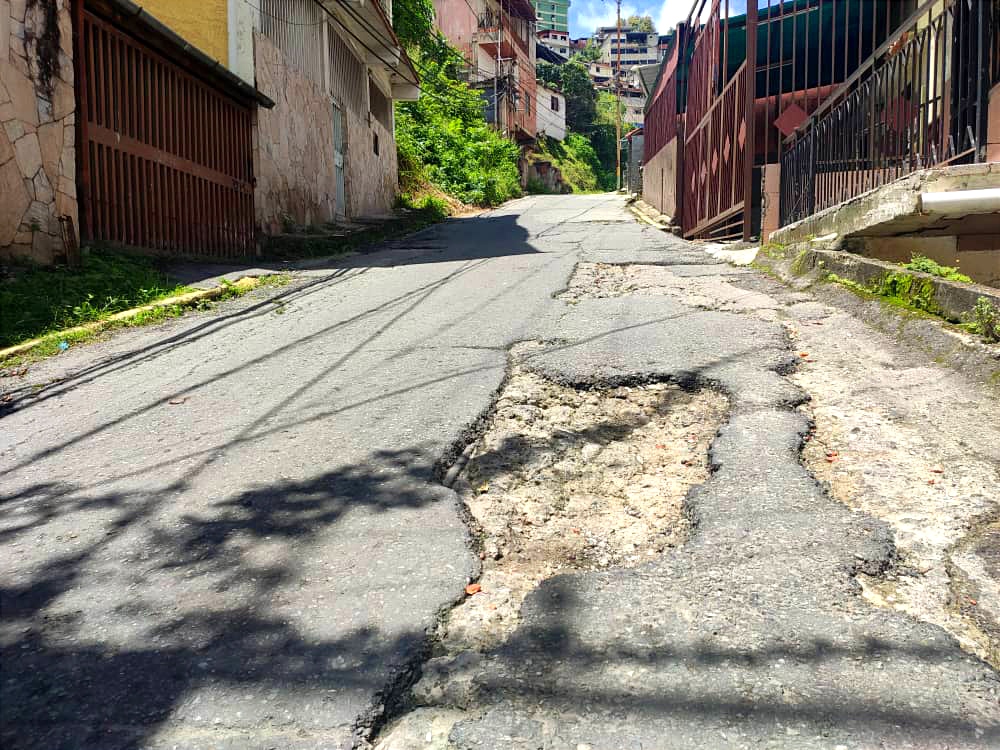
pixel 671 13
pixel 593 13
pixel 587 15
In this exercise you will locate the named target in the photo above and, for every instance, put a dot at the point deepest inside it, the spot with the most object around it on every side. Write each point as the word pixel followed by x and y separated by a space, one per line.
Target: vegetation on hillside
pixel 443 139
pixel 640 23
pixel 581 169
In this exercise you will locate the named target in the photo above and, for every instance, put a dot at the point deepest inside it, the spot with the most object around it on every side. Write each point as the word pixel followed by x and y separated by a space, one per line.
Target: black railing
pixel 920 100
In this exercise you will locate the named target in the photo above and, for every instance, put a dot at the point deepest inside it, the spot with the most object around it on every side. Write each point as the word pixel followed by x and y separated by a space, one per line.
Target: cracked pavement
pixel 228 531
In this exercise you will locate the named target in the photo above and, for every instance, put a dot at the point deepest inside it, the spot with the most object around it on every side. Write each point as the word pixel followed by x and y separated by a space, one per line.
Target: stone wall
pixel 37 128
pixel 659 181
pixel 294 161
pixel 294 145
pixel 371 179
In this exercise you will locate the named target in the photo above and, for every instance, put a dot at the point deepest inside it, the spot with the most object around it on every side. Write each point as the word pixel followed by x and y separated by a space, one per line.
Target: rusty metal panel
pixel 718 147
pixel 166 161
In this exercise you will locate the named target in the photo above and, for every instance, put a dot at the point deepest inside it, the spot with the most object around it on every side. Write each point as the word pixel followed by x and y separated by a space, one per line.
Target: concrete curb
pixel 934 336
pixel 188 299
pixel 956 299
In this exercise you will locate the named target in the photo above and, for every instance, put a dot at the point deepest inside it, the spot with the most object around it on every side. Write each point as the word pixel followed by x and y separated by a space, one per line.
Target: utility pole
pixel 618 102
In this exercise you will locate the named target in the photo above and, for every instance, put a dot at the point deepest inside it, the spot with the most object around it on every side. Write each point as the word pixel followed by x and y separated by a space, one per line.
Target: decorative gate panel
pixel 718 148
pixel 166 159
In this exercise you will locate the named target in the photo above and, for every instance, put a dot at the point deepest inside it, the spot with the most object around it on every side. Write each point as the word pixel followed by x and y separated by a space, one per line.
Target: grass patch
pixel 53 342
pixel 985 320
pixel 926 265
pixel 35 301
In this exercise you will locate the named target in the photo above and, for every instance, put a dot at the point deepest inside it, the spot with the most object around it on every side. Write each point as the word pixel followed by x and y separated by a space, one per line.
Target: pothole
pixel 562 479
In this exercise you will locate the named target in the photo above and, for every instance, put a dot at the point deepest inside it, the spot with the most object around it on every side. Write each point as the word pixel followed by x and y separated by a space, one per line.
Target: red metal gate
pixel 166 159
pixel 718 147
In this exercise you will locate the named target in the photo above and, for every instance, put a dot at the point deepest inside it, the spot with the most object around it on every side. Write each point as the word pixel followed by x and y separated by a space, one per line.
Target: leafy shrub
pixel 444 136
pixel 926 265
pixel 986 319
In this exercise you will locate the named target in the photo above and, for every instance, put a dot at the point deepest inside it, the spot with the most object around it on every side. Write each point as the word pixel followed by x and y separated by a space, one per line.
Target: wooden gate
pixel 165 158
pixel 718 146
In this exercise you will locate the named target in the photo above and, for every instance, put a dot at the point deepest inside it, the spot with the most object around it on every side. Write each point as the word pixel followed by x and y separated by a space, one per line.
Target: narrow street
pixel 698 509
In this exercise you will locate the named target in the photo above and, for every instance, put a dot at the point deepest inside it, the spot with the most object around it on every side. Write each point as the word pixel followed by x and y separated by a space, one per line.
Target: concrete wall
pixel 37 128
pixel 204 23
pixel 659 180
pixel 977 256
pixel 294 157
pixel 371 179
pixel 294 145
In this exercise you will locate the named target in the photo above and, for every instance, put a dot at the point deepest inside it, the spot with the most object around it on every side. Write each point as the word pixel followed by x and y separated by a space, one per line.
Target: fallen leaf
pixel 661 446
pixel 930 481
pixel 473 588
pixel 973 602
pixel 803 354
pixel 937 471
pixel 831 454
pixel 483 488
pixel 575 530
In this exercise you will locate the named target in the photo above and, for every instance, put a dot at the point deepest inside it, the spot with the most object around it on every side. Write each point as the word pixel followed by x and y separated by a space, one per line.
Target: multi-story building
pixel 635 47
pixel 553 14
pixel 557 41
pixel 497 40
pixel 241 118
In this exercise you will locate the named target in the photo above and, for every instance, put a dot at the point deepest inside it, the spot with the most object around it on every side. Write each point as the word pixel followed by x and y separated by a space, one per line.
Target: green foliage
pixel 575 157
pixel 39 300
pixel 536 187
pixel 986 320
pixel 574 82
pixel 640 23
pixel 413 21
pixel 443 138
pixel 926 265
pixel 590 53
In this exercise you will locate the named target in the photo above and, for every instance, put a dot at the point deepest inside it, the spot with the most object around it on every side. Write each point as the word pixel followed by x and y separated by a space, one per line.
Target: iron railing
pixel 919 100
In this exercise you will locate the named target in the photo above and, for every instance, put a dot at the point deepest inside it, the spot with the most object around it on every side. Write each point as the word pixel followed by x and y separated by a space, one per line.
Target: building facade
pixel 553 14
pixel 276 115
pixel 551 113
pixel 498 41
pixel 557 41
pixel 628 48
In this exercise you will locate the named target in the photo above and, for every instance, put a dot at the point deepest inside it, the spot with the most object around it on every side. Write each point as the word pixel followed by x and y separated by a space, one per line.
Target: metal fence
pixel 919 100
pixel 166 159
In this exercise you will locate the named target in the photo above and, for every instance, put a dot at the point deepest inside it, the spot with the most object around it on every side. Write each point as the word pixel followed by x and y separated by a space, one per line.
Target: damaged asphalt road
pixel 232 535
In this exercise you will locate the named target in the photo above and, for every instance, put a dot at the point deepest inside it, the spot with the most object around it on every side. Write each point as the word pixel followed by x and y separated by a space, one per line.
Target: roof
pixel 647 76
pixel 549 55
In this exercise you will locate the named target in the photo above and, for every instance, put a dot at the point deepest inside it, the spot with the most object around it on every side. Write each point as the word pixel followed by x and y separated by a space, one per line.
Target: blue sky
pixel 587 15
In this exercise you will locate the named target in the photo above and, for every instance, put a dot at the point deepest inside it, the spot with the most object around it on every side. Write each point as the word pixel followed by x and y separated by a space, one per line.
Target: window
pixel 555 103
pixel 375 143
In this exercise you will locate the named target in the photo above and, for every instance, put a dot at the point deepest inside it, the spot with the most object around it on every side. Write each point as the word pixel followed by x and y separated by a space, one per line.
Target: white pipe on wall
pixel 961 202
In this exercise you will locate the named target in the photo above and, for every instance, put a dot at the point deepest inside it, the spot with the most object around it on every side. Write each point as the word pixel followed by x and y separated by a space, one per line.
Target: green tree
pixel 443 137
pixel 413 21
pixel 641 23
pixel 574 82
pixel 590 53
